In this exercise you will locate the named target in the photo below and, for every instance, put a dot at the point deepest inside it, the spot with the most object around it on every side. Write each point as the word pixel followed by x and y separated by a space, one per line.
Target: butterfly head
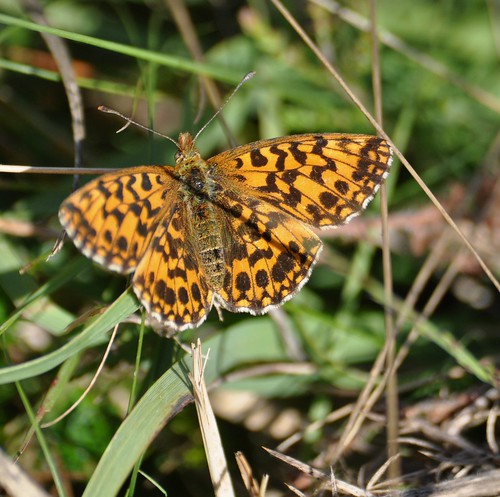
pixel 186 150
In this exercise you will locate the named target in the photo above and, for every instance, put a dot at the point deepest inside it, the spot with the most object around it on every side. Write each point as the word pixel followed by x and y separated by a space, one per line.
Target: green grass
pixel 55 317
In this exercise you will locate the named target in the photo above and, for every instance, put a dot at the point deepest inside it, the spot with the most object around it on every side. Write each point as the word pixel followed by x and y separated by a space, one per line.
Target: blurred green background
pixel 441 100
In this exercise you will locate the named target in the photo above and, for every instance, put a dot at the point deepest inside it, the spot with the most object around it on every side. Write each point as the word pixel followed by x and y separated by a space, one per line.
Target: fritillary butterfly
pixel 235 231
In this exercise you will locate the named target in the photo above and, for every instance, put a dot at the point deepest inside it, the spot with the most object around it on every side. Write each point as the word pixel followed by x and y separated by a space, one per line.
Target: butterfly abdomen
pixel 206 233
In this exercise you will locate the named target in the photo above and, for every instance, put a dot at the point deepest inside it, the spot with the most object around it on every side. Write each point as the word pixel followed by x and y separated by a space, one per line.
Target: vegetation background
pixel 299 370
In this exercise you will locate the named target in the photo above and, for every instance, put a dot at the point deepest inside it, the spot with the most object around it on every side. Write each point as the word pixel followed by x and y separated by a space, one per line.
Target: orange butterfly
pixel 234 231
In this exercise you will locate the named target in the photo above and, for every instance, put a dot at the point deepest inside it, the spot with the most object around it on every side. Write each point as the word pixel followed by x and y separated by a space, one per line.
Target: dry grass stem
pixel 16 482
pixel 308 470
pixel 212 442
pixel 251 484
pixel 90 385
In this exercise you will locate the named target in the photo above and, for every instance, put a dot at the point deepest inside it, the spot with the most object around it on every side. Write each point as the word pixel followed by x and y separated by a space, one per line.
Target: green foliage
pixel 131 56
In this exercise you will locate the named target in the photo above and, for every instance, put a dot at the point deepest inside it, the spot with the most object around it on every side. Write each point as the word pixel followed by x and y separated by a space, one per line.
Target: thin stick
pixel 391 400
pixel 14 169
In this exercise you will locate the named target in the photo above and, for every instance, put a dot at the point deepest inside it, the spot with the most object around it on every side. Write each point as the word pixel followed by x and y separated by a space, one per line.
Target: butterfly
pixel 234 231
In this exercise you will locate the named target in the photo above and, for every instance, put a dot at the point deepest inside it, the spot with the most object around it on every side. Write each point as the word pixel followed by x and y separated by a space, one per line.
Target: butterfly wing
pixel 323 180
pixel 169 280
pixel 112 218
pixel 269 255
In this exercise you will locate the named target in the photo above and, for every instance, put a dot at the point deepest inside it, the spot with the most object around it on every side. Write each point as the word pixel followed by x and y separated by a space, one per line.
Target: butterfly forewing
pixel 323 179
pixel 112 218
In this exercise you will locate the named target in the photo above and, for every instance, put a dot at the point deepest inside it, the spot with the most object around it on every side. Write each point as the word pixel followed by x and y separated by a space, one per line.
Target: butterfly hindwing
pixel 268 255
pixel 170 280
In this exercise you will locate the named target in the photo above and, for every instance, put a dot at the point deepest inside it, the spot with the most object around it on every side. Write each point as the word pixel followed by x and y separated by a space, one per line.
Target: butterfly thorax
pixel 197 190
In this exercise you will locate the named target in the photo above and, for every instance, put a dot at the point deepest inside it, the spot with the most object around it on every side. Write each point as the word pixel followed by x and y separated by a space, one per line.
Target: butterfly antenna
pixel 107 110
pixel 246 78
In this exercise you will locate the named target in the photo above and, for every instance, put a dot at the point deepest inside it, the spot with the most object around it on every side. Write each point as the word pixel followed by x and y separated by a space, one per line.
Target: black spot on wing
pixel 258 160
pixel 281 157
pixel 298 155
